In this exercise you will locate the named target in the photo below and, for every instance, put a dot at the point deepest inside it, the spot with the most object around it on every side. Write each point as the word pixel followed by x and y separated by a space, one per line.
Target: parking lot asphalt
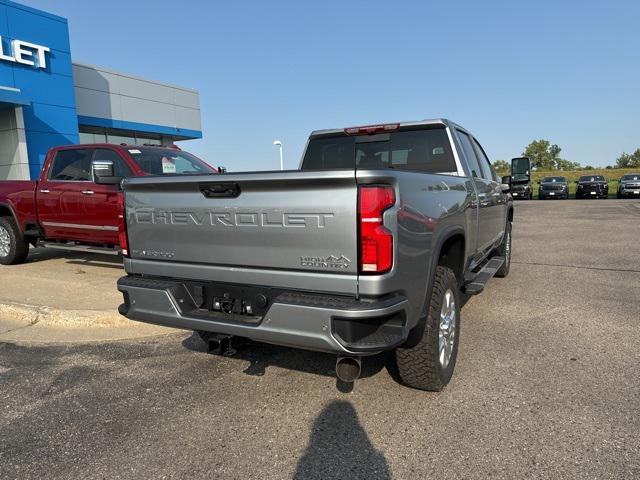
pixel 547 386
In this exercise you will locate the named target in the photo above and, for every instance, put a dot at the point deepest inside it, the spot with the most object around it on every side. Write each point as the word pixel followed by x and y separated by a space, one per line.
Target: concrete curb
pixel 61 318
pixel 32 324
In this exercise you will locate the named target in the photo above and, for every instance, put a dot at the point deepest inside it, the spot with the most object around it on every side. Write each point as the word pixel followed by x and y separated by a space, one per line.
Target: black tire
pixel 419 366
pixel 504 250
pixel 18 247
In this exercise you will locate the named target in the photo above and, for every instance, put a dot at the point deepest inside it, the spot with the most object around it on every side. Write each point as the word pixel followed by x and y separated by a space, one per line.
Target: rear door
pixel 486 201
pixel 498 197
pixel 61 195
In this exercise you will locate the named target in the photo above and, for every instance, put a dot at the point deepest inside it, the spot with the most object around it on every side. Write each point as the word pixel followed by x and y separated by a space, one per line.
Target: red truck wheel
pixel 13 248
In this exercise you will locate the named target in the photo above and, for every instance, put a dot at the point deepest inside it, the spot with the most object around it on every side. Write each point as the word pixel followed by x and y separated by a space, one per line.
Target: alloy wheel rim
pixel 447 330
pixel 5 242
pixel 507 248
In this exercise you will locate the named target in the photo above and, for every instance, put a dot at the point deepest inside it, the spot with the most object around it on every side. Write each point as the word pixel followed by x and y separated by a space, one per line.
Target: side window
pixel 470 155
pixel 489 172
pixel 120 168
pixel 72 165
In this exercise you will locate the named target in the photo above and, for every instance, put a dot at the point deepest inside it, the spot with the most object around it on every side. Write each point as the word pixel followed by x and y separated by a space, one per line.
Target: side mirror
pixel 222 169
pixel 103 173
pixel 521 169
pixel 506 184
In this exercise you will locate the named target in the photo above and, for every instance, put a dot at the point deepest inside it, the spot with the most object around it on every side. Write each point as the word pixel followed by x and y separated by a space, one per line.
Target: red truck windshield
pixel 166 161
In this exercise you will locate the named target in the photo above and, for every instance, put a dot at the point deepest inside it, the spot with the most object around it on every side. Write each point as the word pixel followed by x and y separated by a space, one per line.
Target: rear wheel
pixel 13 248
pixel 429 364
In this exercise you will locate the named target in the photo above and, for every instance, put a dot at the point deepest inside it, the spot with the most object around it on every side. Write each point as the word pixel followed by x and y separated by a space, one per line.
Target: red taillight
pixel 371 129
pixel 376 241
pixel 122 226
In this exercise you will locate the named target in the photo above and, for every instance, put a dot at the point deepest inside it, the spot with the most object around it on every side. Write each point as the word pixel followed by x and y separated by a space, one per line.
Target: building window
pixel 90 134
pixel 93 135
pixel 118 137
pixel 148 139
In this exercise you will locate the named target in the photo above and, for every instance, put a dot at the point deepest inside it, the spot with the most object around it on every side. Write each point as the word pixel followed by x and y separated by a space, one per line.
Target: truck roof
pixel 112 145
pixel 434 121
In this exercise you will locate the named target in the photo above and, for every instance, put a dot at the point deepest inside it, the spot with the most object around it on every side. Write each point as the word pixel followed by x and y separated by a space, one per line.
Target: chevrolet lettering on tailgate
pixel 228 219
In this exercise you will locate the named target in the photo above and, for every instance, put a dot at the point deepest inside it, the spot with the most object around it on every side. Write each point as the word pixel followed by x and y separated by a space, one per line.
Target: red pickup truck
pixel 75 202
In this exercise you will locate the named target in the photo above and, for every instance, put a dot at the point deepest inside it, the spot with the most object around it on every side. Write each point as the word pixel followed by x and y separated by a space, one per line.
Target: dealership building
pixel 47 99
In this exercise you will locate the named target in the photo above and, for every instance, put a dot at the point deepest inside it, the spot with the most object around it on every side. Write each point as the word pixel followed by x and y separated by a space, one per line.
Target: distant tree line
pixel 545 156
pixel 629 160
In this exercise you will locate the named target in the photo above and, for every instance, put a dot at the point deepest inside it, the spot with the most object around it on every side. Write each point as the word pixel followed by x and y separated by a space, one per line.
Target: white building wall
pixel 107 94
pixel 14 161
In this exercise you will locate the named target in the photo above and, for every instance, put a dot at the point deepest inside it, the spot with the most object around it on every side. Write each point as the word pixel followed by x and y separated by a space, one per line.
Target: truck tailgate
pixel 273 220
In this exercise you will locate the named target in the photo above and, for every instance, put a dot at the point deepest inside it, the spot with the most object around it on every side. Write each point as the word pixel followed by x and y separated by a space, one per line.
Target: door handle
pixel 44 190
pixel 87 192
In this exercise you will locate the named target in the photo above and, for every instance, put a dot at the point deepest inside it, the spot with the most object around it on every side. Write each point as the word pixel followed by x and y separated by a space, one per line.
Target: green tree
pixel 567 165
pixel 629 160
pixel 502 166
pixel 543 155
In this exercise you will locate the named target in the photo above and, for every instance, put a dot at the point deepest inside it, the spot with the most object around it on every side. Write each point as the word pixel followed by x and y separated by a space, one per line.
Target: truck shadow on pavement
pixel 75 258
pixel 262 356
pixel 339 448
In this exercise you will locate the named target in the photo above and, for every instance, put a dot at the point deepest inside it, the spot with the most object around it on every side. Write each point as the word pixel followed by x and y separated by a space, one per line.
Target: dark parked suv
pixel 592 186
pixel 629 185
pixel 553 187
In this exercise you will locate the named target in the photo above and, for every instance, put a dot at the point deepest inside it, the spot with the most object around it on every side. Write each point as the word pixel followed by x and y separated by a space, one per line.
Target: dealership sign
pixel 25 53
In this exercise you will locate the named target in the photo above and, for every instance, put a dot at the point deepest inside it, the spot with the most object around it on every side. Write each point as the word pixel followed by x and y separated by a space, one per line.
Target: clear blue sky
pixel 510 71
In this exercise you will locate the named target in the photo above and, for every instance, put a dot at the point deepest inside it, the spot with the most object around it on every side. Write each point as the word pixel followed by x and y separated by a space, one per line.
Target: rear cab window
pixel 426 150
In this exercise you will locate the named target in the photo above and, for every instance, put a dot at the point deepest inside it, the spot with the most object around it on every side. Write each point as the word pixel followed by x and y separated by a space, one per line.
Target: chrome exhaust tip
pixel 348 369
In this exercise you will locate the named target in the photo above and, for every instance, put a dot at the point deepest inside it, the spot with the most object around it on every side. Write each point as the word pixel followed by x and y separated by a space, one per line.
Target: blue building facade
pixel 46 100
pixel 45 93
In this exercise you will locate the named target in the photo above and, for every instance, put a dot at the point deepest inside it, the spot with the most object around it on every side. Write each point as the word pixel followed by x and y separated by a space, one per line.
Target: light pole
pixel 279 144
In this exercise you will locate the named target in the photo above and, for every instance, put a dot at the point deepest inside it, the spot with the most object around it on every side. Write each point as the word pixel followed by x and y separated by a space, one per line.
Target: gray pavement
pixel 547 386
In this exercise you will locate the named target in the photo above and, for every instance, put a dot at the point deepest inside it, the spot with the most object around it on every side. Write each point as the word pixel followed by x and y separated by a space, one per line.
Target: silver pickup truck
pixel 368 247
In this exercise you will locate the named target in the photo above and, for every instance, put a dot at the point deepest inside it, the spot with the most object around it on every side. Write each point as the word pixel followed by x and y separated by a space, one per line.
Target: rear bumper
pixel 327 323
